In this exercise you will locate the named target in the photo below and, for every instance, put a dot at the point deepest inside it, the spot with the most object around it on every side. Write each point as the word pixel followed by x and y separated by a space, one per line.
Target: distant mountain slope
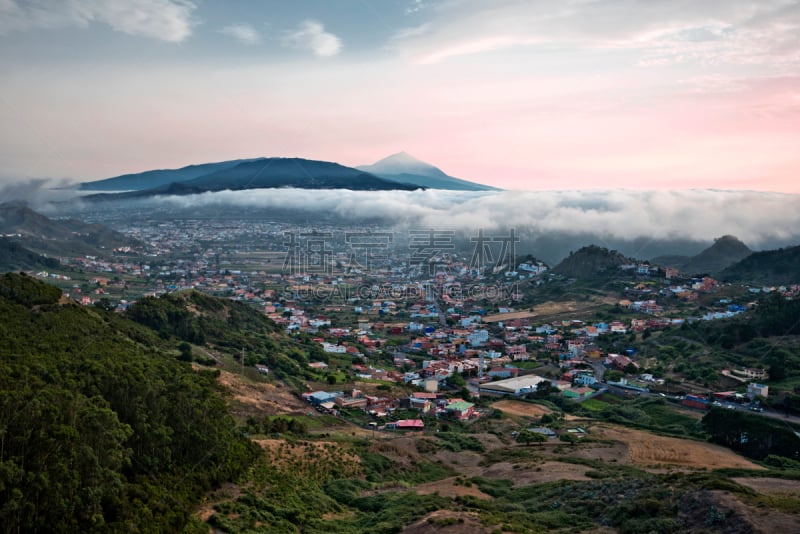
pixel 63 237
pixel 725 251
pixel 157 178
pixel 671 260
pixel 268 173
pixel 15 257
pixel 590 262
pixel 293 172
pixel 771 267
pixel 404 168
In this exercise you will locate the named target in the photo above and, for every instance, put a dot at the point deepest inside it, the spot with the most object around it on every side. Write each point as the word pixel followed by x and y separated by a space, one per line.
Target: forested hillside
pixel 229 326
pixel 101 428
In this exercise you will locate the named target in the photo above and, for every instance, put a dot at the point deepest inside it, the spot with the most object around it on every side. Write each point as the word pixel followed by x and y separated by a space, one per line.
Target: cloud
pixel 244 33
pixel 311 35
pixel 166 20
pixel 695 215
pixel 38 193
pixel 712 32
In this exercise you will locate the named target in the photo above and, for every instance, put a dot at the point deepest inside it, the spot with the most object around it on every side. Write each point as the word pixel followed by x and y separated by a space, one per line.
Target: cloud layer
pixel 698 215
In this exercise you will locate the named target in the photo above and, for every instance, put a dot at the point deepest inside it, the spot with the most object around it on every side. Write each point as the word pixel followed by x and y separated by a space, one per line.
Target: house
pixel 757 390
pixel 619 361
pixel 461 410
pixel 544 431
pixel 263 369
pixel 407 424
pixel 577 393
pixel 584 379
pixel 318 397
pixel 351 402
pixel 751 373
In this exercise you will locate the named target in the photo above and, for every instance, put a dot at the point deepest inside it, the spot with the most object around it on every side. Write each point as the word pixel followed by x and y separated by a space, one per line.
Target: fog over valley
pixel 642 224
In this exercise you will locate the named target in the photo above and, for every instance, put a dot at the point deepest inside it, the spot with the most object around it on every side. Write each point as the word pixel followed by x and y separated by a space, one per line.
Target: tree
pixel 186 351
pixel 776 362
pixel 526 437
pixel 631 369
pixel 566 437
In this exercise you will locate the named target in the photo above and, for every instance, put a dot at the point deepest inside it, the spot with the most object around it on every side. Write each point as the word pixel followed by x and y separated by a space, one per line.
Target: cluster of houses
pixel 426 403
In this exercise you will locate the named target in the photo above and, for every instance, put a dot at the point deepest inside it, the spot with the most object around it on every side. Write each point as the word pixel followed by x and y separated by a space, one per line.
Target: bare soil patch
pixel 536 474
pixel 448 522
pixel 769 486
pixel 449 488
pixel 508 316
pixel 228 492
pixel 762 521
pixel 649 449
pixel 261 398
pixel 524 409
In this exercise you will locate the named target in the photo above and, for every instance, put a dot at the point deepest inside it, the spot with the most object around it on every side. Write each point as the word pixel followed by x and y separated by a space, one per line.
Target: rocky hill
pixel 590 262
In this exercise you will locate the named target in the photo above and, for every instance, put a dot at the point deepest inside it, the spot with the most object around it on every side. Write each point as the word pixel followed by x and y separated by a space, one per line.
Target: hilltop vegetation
pixel 15 257
pixel 227 325
pixel 590 262
pixel 102 429
pixel 725 251
pixel 769 267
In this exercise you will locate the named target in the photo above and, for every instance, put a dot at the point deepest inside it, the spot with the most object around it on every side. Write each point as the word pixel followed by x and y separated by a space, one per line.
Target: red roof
pixel 410 423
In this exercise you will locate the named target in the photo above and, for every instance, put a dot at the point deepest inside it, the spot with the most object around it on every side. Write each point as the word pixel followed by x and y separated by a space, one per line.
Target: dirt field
pixel 508 316
pixel 770 486
pixel 762 521
pixel 524 409
pixel 545 472
pixel 549 309
pixel 449 488
pixel 439 522
pixel 261 398
pixel 649 449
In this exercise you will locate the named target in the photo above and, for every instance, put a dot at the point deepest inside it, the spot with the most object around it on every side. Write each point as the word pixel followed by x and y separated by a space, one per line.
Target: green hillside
pixel 771 267
pixel 102 429
pixel 590 262
pixel 15 257
pixel 229 326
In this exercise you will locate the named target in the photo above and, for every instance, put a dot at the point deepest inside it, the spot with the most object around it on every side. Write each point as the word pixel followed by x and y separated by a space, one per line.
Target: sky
pixel 522 95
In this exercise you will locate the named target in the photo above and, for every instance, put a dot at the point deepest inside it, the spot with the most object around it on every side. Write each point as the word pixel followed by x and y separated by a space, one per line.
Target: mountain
pixel 270 173
pixel 725 251
pixel 157 178
pixel 65 237
pixel 769 267
pixel 406 169
pixel 590 262
pixel 15 257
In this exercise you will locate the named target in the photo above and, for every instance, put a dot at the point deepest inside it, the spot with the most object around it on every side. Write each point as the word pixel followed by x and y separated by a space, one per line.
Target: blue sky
pixel 534 95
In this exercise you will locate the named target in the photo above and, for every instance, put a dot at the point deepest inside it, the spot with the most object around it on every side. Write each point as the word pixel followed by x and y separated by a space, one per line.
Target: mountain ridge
pixel 404 168
pixel 269 173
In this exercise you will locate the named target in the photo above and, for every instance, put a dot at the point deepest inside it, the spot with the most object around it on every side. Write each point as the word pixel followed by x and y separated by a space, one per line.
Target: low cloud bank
pixel 757 218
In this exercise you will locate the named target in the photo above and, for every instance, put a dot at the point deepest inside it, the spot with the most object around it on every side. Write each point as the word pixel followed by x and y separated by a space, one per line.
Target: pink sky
pixel 519 95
